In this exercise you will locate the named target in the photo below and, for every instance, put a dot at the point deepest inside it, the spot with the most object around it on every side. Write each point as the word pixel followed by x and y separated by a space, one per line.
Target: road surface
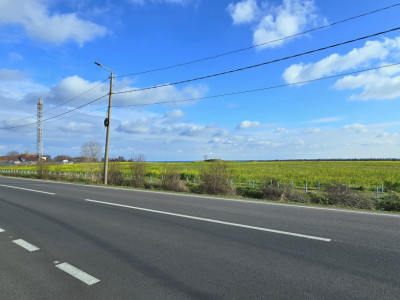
pixel 71 241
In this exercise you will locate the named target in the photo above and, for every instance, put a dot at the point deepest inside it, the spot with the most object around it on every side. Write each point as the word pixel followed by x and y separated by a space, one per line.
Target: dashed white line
pixel 79 274
pixel 26 245
pixel 2 230
pixel 19 188
pixel 214 221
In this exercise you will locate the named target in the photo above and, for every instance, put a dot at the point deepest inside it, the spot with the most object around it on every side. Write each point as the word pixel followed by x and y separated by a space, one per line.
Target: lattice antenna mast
pixel 40 128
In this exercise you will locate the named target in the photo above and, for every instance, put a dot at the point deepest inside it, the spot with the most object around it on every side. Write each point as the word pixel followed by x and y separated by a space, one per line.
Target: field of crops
pixel 367 174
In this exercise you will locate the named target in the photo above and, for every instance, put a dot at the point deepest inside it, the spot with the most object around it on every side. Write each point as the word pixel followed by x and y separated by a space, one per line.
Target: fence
pixel 97 177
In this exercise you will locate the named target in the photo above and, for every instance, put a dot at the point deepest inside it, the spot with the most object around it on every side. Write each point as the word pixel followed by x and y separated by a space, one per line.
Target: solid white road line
pixel 2 230
pixel 19 188
pixel 214 221
pixel 26 245
pixel 79 274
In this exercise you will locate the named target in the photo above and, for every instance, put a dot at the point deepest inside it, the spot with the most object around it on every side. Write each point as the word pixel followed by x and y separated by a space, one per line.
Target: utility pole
pixel 40 129
pixel 107 124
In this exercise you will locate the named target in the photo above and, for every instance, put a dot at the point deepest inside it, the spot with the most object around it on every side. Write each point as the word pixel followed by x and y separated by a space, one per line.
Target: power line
pixel 262 44
pixel 56 116
pixel 260 64
pixel 206 97
pixel 71 99
pixel 260 89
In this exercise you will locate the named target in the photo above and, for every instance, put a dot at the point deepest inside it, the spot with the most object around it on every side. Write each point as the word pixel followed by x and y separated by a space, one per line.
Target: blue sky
pixel 48 49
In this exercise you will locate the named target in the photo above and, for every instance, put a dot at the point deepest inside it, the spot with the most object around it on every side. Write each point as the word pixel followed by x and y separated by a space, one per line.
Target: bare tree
pixel 12 153
pixel 91 151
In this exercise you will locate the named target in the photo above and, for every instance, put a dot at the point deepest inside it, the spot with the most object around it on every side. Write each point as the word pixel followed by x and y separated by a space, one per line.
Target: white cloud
pixel 248 125
pixel 279 130
pixel 72 86
pixel 15 85
pixel 244 11
pixel 139 126
pixel 164 94
pixel 175 114
pixel 168 124
pixel 12 75
pixel 372 50
pixel 287 19
pixel 40 24
pixel 324 120
pixel 378 84
pixel 274 23
pixel 360 128
pixel 77 127
pixel 312 130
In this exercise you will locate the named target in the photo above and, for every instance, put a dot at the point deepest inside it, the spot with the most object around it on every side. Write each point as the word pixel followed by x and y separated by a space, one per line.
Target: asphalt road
pixel 69 241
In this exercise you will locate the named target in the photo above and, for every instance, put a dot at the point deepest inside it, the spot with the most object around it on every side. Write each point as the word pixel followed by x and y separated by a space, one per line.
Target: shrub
pixel 340 195
pixel 292 195
pixel 318 198
pixel 115 176
pixel 392 186
pixel 249 192
pixel 43 170
pixel 271 192
pixel 138 168
pixel 390 202
pixel 216 179
pixel 152 185
pixel 172 181
pixel 194 188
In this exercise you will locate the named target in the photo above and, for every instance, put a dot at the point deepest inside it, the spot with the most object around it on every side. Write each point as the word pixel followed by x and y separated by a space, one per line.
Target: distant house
pixel 9 160
pixel 29 159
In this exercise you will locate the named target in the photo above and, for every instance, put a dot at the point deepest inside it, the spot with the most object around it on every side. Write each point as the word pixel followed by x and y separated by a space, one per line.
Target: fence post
pixel 382 188
pixel 377 192
pixel 292 184
pixel 319 186
pixel 278 185
pixel 306 186
pixel 253 184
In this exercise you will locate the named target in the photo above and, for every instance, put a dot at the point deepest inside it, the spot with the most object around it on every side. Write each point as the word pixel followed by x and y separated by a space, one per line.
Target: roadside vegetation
pixel 356 184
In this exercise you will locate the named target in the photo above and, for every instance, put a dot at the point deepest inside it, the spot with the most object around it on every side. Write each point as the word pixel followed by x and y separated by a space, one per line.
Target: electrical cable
pixel 262 44
pixel 217 74
pixel 61 104
pixel 208 97
pixel 56 116
pixel 259 89
pixel 260 64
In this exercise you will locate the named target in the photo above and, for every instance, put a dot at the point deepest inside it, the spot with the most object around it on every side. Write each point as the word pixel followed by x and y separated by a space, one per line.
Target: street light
pixel 107 124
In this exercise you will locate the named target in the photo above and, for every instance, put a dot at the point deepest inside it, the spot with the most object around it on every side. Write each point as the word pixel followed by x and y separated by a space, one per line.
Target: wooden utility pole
pixel 107 124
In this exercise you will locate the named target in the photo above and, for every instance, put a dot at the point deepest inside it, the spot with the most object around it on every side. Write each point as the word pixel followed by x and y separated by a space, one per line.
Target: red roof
pixel 28 157
pixel 8 158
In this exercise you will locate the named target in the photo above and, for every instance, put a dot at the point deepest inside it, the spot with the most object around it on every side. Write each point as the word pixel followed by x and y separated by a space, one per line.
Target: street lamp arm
pixel 100 65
